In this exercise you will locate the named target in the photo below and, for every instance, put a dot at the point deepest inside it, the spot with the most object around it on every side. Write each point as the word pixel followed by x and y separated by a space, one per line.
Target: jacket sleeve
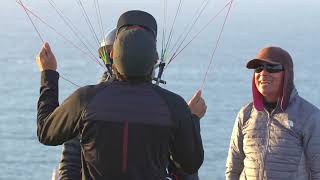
pixel 176 172
pixel 187 149
pixel 70 163
pixel 311 141
pixel 56 124
pixel 234 164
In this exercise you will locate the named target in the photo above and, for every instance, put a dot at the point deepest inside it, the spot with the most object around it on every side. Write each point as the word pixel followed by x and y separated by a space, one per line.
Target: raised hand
pixel 197 105
pixel 45 59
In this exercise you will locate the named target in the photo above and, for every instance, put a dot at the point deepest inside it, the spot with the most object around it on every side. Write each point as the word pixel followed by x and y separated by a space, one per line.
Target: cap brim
pixel 139 18
pixel 252 64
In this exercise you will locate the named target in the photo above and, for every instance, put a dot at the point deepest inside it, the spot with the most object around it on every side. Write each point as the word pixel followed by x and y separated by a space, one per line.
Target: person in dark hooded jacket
pixel 277 136
pixel 128 127
pixel 70 162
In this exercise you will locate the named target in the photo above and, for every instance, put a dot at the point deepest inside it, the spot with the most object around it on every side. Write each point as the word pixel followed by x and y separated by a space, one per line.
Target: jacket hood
pixel 275 55
pixel 134 53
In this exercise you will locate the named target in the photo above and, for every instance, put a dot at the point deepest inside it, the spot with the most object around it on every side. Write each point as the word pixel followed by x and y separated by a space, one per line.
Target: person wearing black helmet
pixel 129 126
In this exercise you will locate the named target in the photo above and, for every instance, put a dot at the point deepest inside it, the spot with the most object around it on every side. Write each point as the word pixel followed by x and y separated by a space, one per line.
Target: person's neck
pixel 270 105
pixel 271 99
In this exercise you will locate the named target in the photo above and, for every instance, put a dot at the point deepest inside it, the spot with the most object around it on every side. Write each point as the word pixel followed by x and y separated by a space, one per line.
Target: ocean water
pixel 291 24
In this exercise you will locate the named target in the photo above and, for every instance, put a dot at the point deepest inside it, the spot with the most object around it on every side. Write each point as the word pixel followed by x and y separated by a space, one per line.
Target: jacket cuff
pixel 196 121
pixel 49 77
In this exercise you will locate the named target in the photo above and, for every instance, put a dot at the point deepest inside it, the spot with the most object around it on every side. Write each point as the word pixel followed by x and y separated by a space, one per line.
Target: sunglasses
pixel 270 68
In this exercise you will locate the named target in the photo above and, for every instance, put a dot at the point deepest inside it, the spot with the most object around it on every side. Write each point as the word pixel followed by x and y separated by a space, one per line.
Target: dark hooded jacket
pixel 70 163
pixel 282 144
pixel 126 130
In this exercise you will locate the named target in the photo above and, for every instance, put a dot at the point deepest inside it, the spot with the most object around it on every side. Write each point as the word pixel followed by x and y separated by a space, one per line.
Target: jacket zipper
pixel 265 152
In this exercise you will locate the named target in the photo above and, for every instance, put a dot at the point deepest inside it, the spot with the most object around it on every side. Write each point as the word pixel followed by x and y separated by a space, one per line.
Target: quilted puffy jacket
pixel 279 145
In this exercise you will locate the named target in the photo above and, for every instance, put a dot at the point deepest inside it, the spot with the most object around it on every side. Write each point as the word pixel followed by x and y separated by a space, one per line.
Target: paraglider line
pixel 189 28
pixel 71 26
pixel 66 39
pixel 34 26
pixel 194 37
pixel 216 47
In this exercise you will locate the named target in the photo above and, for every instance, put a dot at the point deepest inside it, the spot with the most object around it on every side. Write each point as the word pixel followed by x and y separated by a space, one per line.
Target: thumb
pixel 47 46
pixel 43 53
pixel 48 49
pixel 196 97
pixel 198 93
